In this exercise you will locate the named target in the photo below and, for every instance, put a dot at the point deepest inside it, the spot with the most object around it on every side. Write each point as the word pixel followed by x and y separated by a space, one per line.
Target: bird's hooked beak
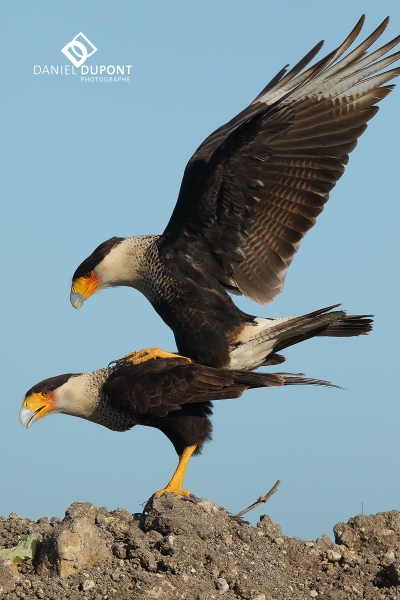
pixel 35 407
pixel 82 288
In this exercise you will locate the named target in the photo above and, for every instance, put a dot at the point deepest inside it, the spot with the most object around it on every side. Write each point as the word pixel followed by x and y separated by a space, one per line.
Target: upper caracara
pixel 249 194
pixel 153 388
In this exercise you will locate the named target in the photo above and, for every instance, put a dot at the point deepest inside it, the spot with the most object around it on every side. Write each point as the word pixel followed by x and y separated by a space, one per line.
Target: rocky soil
pixel 193 549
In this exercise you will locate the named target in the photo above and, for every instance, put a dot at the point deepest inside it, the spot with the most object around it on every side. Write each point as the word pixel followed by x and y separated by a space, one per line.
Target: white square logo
pixel 79 49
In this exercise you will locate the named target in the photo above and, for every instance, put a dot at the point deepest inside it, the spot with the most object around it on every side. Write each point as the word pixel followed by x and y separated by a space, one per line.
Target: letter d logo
pixel 77 50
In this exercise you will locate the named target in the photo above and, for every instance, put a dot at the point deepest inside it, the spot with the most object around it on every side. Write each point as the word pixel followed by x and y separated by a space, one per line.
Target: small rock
pixel 228 540
pixel 87 585
pixel 222 585
pixel 388 557
pixel 387 531
pixel 350 559
pixel 393 573
pixel 14 517
pixel 122 515
pixel 154 536
pixel 333 556
pixel 119 551
pixel 79 547
pixel 270 528
pixel 210 507
pixel 101 515
pixel 313 593
pixel 8 576
pixel 79 510
pixel 278 540
pixel 9 564
pixel 148 561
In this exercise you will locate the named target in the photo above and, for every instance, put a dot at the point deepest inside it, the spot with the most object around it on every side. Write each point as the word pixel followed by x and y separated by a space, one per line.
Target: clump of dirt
pixel 193 549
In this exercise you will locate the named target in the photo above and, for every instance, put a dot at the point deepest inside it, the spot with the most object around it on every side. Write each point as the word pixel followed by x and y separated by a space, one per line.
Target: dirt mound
pixel 193 549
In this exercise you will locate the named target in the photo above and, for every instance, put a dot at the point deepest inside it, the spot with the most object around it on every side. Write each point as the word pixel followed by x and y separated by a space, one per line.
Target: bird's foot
pixel 175 485
pixel 149 354
pixel 173 490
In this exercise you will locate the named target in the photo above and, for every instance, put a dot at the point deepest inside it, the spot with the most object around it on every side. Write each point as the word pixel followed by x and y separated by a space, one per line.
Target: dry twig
pixel 261 500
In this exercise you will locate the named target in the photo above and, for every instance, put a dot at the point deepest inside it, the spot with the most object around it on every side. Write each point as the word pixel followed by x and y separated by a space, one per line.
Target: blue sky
pixel 82 162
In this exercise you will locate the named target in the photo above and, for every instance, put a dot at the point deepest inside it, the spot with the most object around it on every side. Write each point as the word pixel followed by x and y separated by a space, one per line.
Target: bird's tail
pixel 257 379
pixel 262 339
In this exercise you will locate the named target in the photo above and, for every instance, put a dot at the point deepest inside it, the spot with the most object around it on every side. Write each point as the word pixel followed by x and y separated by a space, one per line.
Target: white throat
pixel 126 263
pixel 80 395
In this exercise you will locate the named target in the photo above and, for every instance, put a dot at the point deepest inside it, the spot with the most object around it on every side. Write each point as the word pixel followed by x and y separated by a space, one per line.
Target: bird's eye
pixel 45 393
pixel 88 275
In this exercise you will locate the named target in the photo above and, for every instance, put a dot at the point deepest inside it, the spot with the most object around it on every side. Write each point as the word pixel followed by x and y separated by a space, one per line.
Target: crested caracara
pixel 153 388
pixel 249 194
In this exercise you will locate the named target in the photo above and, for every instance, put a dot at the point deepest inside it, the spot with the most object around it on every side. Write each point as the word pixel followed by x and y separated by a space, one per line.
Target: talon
pixel 175 492
pixel 149 354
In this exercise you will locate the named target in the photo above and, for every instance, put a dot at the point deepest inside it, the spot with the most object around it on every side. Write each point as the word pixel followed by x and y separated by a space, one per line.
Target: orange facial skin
pixel 40 403
pixel 85 286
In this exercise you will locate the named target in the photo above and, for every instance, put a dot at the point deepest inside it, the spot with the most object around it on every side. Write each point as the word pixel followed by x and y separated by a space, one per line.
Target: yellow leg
pixel 175 485
pixel 148 354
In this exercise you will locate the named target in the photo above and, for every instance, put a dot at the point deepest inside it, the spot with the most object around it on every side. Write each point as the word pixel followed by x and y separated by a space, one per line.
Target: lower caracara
pixel 153 388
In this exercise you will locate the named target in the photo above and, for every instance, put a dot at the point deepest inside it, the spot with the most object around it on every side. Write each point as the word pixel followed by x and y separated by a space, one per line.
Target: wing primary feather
pixel 292 73
pixel 244 188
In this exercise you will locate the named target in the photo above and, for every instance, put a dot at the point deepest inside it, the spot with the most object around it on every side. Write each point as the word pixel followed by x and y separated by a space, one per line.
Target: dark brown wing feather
pixel 161 386
pixel 256 185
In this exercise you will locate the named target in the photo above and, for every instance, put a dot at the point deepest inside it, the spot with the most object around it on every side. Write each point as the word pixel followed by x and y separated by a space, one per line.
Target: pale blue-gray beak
pixel 27 417
pixel 76 300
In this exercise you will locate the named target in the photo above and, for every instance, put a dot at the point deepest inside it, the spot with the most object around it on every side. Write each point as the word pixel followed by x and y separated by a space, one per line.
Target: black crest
pixel 50 384
pixel 96 257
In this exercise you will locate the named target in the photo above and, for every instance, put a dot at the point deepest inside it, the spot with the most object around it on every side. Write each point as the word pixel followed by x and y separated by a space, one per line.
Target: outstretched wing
pixel 256 185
